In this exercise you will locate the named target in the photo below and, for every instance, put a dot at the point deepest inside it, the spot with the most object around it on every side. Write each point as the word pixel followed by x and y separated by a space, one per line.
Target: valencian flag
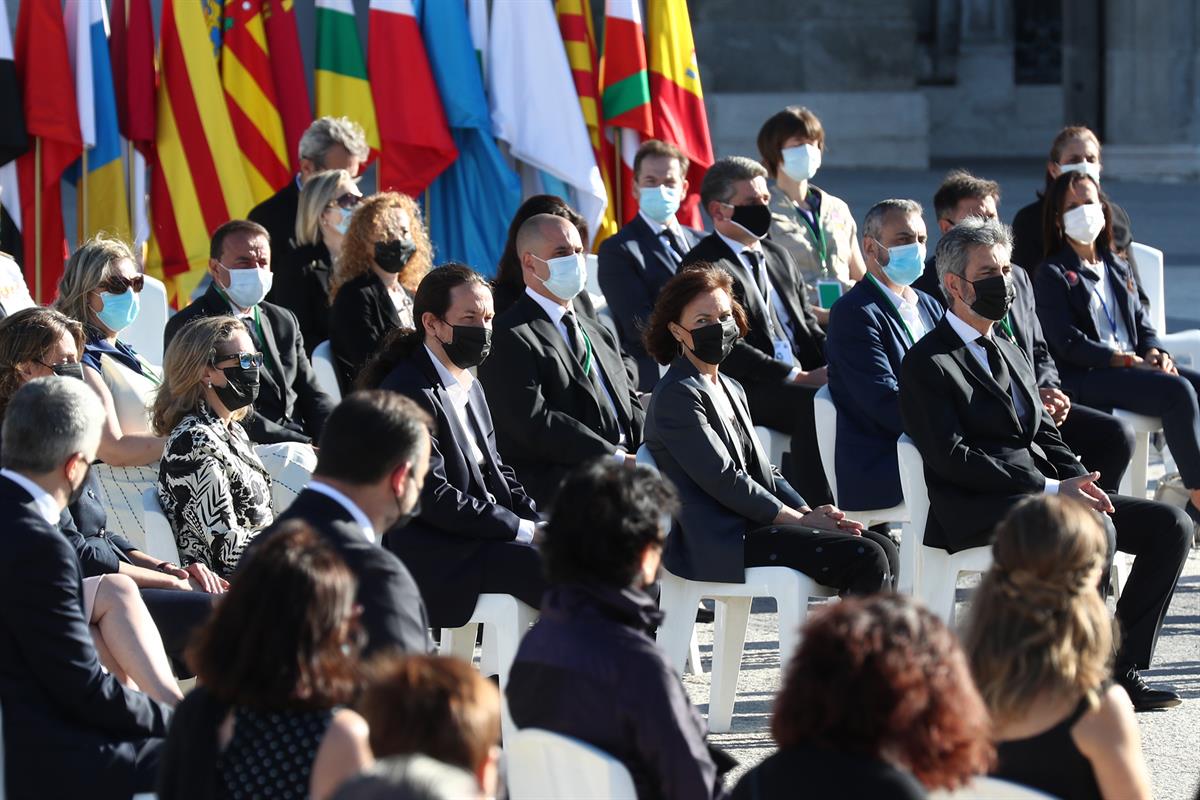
pixel 44 71
pixel 625 87
pixel 13 142
pixel 413 132
pixel 677 101
pixel 341 79
pixel 195 186
pixel 253 102
pixel 287 68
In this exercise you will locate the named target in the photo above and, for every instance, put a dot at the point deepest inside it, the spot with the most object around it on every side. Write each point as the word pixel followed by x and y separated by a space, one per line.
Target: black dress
pixel 1050 762
pixel 825 773
pixel 271 753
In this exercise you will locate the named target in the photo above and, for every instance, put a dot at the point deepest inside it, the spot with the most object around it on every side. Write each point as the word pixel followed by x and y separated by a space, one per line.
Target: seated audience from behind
pixel 70 728
pixel 214 490
pixel 276 666
pixel 301 283
pixel 385 254
pixel 373 460
pixel 1040 642
pixel 411 777
pixel 475 528
pixel 871 329
pixel 876 702
pixel 290 407
pixel 737 510
pixel 589 668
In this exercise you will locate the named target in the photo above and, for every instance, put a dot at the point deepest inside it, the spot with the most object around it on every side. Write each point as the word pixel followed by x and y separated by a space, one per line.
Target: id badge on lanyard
pixel 783 351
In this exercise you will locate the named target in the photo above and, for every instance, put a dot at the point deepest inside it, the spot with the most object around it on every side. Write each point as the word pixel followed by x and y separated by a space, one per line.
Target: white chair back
pixel 1150 268
pixel 543 765
pixel 916 498
pixel 160 539
pixel 146 333
pixel 593 275
pixel 322 364
pixel 991 789
pixel 825 413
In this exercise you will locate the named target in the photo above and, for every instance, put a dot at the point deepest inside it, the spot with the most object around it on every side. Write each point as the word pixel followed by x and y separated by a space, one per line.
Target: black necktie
pixel 611 428
pixel 996 363
pixel 674 248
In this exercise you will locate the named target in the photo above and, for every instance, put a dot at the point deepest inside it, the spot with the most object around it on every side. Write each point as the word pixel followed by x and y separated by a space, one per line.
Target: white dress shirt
pixel 906 305
pixel 351 507
pixel 46 505
pixel 1103 303
pixel 776 302
pixel 970 338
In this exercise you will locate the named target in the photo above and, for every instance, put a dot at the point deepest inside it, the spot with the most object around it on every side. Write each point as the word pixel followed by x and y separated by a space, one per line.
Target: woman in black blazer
pixel 385 255
pixel 1107 351
pixel 736 510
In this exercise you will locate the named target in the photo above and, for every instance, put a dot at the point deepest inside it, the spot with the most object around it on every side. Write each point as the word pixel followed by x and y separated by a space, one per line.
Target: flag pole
pixel 428 218
pixel 37 219
pixel 619 189
pixel 82 197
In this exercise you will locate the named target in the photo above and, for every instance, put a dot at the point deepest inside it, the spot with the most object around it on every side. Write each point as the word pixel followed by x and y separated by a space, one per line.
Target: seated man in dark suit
pixel 70 728
pixel 781 361
pixel 290 406
pixel 871 328
pixel 642 256
pixel 372 464
pixel 329 143
pixel 589 668
pixel 555 382
pixel 969 401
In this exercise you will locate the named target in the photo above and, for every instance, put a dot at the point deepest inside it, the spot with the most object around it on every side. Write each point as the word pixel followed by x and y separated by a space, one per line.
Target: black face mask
pixel 69 369
pixel 754 218
pixel 470 346
pixel 713 343
pixel 392 255
pixel 77 492
pixel 241 388
pixel 993 296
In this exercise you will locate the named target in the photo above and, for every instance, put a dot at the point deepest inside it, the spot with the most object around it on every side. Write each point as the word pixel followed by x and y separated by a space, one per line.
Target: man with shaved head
pixel 555 381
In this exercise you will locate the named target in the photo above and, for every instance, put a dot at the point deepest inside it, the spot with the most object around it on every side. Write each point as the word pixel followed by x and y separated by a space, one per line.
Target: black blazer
pixel 979 458
pixel 634 264
pixel 278 215
pixel 444 545
pixel 546 411
pixel 1028 334
pixel 84 523
pixel 393 612
pixel 290 406
pixel 301 286
pixel 1072 327
pixel 753 357
pixel 362 314
pixel 70 729
pixel 720 499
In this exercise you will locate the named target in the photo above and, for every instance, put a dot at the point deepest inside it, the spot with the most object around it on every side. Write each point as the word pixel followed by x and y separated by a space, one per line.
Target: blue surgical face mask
pixel 905 263
pixel 248 286
pixel 801 163
pixel 343 223
pixel 568 275
pixel 120 310
pixel 659 203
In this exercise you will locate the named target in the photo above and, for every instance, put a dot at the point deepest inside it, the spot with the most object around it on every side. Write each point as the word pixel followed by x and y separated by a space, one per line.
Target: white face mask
pixel 1089 168
pixel 1084 223
pixel 248 287
pixel 801 163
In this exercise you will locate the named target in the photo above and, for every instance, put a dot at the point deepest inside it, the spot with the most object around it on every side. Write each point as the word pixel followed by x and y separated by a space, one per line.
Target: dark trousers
pixel 789 408
pixel 516 569
pixel 851 564
pixel 1103 443
pixel 177 615
pixel 1155 394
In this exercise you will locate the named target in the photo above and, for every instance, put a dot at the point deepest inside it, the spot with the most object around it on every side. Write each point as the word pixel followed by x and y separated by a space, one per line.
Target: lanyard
pixel 1006 324
pixel 262 338
pixel 1112 322
pixel 907 331
pixel 818 233
pixel 587 351
pixel 147 371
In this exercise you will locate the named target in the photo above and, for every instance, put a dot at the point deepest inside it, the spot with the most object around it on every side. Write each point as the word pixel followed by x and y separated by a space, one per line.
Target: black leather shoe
pixel 1143 696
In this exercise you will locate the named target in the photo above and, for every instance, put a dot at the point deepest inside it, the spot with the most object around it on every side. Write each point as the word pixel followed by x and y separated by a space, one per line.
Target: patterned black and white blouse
pixel 214 490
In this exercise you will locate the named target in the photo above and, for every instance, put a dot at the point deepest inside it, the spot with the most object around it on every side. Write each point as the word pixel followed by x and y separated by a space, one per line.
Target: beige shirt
pixel 790 229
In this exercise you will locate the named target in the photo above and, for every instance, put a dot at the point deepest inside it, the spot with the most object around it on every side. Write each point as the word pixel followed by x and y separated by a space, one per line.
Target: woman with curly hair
pixel 1040 643
pixel 877 702
pixel 385 253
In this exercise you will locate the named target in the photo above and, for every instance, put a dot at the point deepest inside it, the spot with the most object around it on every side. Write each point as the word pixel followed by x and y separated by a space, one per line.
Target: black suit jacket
pixel 979 458
pixel 1028 334
pixel 444 545
pixel 546 411
pixel 278 215
pixel 753 357
pixel 70 729
pixel 363 314
pixel 290 406
pixel 393 612
pixel 301 286
pixel 634 264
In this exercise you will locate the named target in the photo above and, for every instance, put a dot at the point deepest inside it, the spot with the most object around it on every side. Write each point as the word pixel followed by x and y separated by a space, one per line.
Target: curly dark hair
pixel 675 295
pixel 1054 236
pixel 884 677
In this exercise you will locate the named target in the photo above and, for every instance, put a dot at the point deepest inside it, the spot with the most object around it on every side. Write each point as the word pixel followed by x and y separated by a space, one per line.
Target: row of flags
pixel 468 105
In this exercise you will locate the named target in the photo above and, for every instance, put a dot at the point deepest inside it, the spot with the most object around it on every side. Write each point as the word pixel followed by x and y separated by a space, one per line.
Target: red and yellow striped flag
pixel 196 186
pixel 626 97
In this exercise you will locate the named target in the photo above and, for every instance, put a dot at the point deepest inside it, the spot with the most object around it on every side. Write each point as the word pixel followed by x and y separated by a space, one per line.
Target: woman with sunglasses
pixel 213 487
pixel 302 276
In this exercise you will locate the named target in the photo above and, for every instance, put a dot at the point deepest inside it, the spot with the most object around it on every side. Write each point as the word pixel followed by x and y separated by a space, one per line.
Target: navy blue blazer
pixel 1071 324
pixel 867 341
pixel 634 264
pixel 463 505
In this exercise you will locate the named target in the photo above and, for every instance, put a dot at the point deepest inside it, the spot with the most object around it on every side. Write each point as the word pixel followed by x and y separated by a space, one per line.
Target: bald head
pixel 539 239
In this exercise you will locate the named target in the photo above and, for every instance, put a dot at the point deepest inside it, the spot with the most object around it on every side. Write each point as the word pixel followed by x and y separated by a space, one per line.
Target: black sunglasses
pixel 117 284
pixel 347 200
pixel 245 360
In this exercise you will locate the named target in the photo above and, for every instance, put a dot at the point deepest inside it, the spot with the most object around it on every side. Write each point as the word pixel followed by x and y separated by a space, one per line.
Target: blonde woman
pixel 1040 643
pixel 215 491
pixel 302 276
pixel 385 254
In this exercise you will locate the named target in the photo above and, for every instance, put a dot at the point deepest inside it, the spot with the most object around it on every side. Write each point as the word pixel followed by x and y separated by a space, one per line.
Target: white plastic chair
pixel 160 539
pixel 1184 346
pixel 322 364
pixel 776 443
pixel 678 600
pixel 546 766
pixel 1135 481
pixel 929 573
pixel 991 789
pixel 146 333
pixel 593 276
pixel 825 411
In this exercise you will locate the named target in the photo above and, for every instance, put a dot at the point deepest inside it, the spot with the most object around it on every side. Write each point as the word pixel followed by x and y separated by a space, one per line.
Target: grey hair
pixel 719 180
pixel 328 131
pixel 873 223
pixel 954 249
pixel 47 421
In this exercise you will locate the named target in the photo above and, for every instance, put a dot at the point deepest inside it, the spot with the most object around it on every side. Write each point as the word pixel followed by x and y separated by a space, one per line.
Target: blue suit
pixel 867 341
